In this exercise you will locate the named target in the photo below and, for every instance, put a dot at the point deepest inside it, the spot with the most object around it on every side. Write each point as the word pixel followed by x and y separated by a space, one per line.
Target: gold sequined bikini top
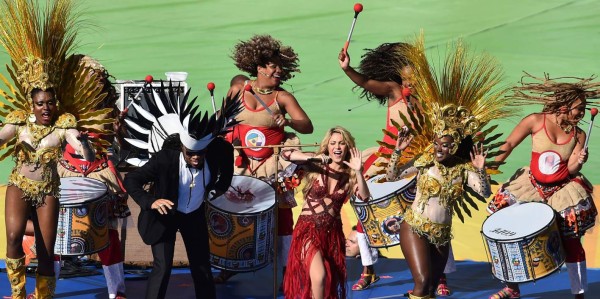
pixel 24 153
pixel 448 189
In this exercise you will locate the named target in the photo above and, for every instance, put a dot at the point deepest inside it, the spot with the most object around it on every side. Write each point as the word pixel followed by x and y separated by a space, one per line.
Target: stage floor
pixel 471 280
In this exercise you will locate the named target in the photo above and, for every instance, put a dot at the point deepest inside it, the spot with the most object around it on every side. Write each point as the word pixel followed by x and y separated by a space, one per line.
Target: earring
pixel 453 149
pixel 31 118
pixel 406 92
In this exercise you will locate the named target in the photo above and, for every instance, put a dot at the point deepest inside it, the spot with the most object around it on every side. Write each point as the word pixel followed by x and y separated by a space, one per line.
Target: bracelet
pixel 397 151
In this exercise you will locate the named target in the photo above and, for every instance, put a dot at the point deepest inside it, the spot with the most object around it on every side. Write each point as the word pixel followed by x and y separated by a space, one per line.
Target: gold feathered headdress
pixel 38 42
pixel 454 121
pixel 459 101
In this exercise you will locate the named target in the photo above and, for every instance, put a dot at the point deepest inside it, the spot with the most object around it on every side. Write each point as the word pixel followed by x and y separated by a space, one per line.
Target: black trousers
pixel 194 231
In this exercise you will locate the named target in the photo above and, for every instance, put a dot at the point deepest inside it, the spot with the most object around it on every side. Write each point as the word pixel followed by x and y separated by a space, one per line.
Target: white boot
pixel 578 277
pixel 115 279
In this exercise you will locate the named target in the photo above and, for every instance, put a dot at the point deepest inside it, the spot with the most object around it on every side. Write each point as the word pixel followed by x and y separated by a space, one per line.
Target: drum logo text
pixel 503 232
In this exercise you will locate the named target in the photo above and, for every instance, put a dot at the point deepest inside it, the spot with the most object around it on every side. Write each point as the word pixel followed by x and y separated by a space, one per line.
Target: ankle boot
pixel 15 268
pixel 44 286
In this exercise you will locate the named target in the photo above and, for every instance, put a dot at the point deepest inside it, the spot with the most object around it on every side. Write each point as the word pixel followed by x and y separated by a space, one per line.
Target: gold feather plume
pixel 38 41
pixel 464 82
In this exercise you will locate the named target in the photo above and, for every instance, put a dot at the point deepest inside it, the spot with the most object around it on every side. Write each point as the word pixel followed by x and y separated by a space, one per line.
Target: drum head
pixel 518 221
pixel 246 195
pixel 78 190
pixel 383 189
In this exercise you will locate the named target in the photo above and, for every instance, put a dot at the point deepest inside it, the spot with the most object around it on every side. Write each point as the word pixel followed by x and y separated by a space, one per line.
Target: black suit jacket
pixel 163 170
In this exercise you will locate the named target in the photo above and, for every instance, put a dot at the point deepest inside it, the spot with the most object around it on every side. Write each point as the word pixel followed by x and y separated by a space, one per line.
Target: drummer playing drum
pixel 557 141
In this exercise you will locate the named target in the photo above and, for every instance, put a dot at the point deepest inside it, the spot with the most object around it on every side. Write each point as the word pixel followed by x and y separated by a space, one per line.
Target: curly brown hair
pixel 259 50
pixel 554 93
pixel 383 63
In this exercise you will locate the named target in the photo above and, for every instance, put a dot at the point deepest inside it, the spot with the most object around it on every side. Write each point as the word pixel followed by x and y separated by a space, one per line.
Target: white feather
pixel 136 127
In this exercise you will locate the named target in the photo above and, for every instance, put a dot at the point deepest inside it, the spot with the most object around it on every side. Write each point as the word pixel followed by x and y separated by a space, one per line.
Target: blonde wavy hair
pixel 323 149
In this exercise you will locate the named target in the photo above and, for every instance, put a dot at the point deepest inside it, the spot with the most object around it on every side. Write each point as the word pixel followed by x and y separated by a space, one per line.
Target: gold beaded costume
pixel 458 102
pixel 38 43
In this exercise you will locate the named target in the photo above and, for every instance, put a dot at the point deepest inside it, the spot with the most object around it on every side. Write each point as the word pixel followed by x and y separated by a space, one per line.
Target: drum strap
pixel 254 169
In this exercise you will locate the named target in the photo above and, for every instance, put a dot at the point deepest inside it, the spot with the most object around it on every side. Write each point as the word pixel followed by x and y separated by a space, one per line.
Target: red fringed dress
pixel 318 232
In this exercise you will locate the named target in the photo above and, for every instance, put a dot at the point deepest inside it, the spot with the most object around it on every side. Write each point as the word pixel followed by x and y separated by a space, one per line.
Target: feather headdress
pixel 38 42
pixel 460 100
pixel 170 113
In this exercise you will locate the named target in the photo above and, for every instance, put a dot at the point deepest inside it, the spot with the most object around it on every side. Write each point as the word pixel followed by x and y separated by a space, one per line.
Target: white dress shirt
pixel 192 184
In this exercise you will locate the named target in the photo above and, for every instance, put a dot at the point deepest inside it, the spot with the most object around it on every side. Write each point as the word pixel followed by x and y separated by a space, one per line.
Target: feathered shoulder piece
pixel 66 121
pixel 16 117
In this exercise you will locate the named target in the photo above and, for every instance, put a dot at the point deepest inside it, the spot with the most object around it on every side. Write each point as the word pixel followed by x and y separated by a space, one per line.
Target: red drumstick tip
pixel 594 111
pixel 210 86
pixel 248 88
pixel 358 7
pixel 149 79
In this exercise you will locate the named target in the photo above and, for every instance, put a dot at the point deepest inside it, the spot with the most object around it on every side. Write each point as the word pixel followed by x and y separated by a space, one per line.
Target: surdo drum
pixel 381 216
pixel 241 223
pixel 82 220
pixel 523 242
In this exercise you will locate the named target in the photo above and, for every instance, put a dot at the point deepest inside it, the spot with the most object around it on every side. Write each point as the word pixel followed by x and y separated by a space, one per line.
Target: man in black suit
pixel 182 181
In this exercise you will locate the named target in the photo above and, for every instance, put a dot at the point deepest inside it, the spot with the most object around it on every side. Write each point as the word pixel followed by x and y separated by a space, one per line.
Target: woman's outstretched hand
pixel 478 156
pixel 404 139
pixel 355 160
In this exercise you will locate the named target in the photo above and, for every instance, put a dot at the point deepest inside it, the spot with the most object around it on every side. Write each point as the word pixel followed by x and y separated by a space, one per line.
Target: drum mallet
pixel 593 112
pixel 357 9
pixel 249 89
pixel 147 80
pixel 211 88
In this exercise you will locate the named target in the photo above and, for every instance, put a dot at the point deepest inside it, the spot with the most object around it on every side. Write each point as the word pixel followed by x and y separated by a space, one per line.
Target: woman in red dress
pixel 317 254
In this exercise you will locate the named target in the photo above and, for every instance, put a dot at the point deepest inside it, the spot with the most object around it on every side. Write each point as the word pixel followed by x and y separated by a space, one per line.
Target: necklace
pixel 567 129
pixel 260 90
pixel 194 174
pixel 38 132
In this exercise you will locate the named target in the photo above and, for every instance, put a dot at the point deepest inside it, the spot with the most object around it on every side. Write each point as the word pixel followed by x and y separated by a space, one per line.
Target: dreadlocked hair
pixel 383 63
pixel 259 50
pixel 323 149
pixel 554 93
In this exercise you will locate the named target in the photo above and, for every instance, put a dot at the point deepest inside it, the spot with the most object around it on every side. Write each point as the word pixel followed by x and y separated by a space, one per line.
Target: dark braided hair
pixel 554 93
pixel 259 50
pixel 383 63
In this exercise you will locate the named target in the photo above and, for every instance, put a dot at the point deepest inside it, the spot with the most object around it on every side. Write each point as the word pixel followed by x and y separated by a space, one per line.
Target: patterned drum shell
pixel 82 220
pixel 381 216
pixel 240 225
pixel 523 242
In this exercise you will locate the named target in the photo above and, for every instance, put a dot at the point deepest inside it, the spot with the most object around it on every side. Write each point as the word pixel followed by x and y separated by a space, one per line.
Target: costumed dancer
pixel 35 126
pixel 385 75
pixel 271 63
pixel 459 102
pixel 103 169
pixel 194 165
pixel 553 175
pixel 317 255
